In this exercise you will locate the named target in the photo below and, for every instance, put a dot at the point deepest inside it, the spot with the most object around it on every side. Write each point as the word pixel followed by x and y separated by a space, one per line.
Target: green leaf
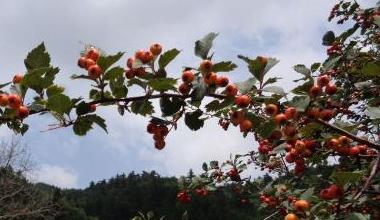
pixel 84 123
pixel 170 106
pixel 83 108
pixel 139 82
pixel 275 89
pixel 214 164
pixel 75 76
pixel 162 84
pixel 59 103
pixel 307 194
pixel 266 129
pixel 37 58
pixel 225 66
pixel 142 107
pixel 271 80
pixel 371 69
pixel 118 89
pixel 270 64
pixel 303 89
pixel 199 91
pixel 300 102
pixel 310 129
pixel 300 68
pixel 106 62
pixel 193 121
pixel 205 167
pixel 373 112
pixel 314 67
pixel 377 20
pixel 114 73
pixel 167 57
pixel 330 63
pixel 344 177
pixel 357 216
pixel 54 90
pixel 203 46
pixel 246 86
pixel 39 79
pixel 328 39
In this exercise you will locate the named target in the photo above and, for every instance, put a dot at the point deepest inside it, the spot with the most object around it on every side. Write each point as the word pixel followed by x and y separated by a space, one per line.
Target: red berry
pixel 290 113
pixel 205 66
pixel 89 63
pixel 130 62
pixel 22 112
pixel 289 131
pixel 222 81
pixel 313 113
pixel 323 80
pixel 92 107
pixel 94 71
pixel 148 56
pixel 242 101
pixel 354 151
pixel 326 114
pixel 315 91
pixel 130 73
pixel 187 76
pixel 210 78
pixel 289 158
pixel 280 118
pixel 271 109
pixel 93 54
pixel 151 128
pixel 159 144
pixel 231 90
pixel 3 99
pixel 140 55
pixel 14 101
pixel 18 78
pixel 245 125
pixel 184 89
pixel 155 49
pixel 82 62
pixel 331 89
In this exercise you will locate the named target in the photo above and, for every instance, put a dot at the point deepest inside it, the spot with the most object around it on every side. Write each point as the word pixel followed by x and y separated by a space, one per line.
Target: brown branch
pixel 374 170
pixel 348 134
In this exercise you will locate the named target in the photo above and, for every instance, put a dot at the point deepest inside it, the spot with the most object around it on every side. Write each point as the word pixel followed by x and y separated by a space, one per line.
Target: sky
pixel 289 30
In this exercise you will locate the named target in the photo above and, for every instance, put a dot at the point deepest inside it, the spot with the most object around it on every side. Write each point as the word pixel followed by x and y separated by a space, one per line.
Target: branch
pixel 348 134
pixel 370 177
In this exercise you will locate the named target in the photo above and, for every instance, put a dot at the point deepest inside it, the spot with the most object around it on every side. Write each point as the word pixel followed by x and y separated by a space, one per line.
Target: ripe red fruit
pixel 205 66
pixel 280 118
pixel 82 62
pixel 313 113
pixel 89 63
pixel 139 72
pixel 22 112
pixel 299 169
pixel 151 128
pixel 222 81
pixel 325 194
pixel 155 49
pixel 162 130
pixel 262 60
pixel 326 114
pixel 263 149
pixel 271 109
pixel 354 151
pixel 140 55
pixel 184 89
pixel 333 143
pixel 362 148
pixel 183 197
pixel 92 107
pixel 291 216
pixel 14 101
pixel 301 205
pixel 289 158
pixel 210 78
pixel 187 76
pixel 93 54
pixel 242 101
pixel 130 62
pixel 3 99
pixel 17 78
pixel 290 113
pixel 159 144
pixel 323 80
pixel 315 90
pixel 331 89
pixel 234 174
pixel 290 131
pixel 94 71
pixel 147 57
pixel 201 192
pixel 344 140
pixel 336 191
pixel 231 90
pixel 245 125
pixel 129 74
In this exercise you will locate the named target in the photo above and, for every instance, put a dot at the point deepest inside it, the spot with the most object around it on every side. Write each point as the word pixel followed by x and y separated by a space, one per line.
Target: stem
pixel 374 170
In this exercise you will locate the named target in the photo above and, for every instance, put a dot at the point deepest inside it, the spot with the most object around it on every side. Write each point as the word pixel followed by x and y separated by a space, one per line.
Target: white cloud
pixel 57 176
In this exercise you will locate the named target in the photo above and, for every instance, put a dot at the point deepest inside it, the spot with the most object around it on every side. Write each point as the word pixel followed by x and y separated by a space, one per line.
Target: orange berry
pixel 14 101
pixel 187 76
pixel 155 49
pixel 3 99
pixel 205 66
pixel 242 101
pixel 18 78
pixel 94 71
pixel 231 90
pixel 222 81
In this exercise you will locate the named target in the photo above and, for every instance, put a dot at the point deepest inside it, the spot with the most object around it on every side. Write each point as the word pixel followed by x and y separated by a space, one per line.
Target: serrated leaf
pixel 59 103
pixel 39 79
pixel 54 90
pixel 106 62
pixel 275 89
pixel 83 108
pixel 203 46
pixel 204 167
pixel 344 177
pixel 139 82
pixel 307 194
pixel 37 58
pixel 300 68
pixel 162 84
pixel 310 129
pixel 271 80
pixel 193 121
pixel 167 57
pixel 246 86
pixel 118 89
pixel 170 106
pixel 84 123
pixel 199 91
pixel 330 63
pixel 225 66
pixel 328 38
pixel 114 73
pixel 142 107
pixel 314 67
pixel 300 102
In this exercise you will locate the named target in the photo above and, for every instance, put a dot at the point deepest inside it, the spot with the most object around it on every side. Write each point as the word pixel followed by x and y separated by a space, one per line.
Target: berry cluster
pixel 187 78
pixel 239 118
pixel 270 201
pixel 335 49
pixel 210 78
pixel 342 145
pixel 159 133
pixel 89 63
pixel 14 101
pixel 141 57
pixel 332 192
pixel 297 151
pixel 183 197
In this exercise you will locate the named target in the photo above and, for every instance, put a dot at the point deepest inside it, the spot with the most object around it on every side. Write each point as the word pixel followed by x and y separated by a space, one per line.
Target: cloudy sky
pixel 288 30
